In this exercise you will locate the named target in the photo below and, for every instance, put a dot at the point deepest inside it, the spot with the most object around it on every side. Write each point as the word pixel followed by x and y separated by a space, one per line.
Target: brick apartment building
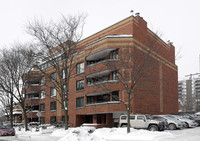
pixel 100 62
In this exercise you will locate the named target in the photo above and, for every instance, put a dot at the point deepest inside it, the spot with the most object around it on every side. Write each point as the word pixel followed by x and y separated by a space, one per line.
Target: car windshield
pixel 4 127
pixel 149 117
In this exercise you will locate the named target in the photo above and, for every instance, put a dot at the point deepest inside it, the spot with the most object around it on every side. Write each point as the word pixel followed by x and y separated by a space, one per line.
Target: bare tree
pixel 15 62
pixel 5 102
pixel 58 43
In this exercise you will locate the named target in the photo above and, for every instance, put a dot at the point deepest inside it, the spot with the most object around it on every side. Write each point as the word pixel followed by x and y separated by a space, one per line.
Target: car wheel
pixel 186 125
pixel 172 126
pixel 153 128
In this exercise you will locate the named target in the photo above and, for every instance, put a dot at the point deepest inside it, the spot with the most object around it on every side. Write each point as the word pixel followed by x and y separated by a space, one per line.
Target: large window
pixel 103 98
pixel 53 92
pixel 42 120
pixel 53 77
pixel 52 119
pixel 53 106
pixel 115 96
pixel 90 99
pixel 80 68
pixel 80 102
pixel 80 85
pixel 42 94
pixel 42 107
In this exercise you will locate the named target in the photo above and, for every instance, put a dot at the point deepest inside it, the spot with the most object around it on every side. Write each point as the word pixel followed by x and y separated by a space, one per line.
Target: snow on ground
pixel 104 134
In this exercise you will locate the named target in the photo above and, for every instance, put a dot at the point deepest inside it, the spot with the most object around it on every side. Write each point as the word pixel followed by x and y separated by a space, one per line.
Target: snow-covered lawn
pixel 104 134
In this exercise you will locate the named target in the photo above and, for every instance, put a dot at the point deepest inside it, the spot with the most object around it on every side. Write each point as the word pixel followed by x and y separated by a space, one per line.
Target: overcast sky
pixel 177 20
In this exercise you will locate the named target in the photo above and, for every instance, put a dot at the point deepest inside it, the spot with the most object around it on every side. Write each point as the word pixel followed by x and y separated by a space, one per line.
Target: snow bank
pixel 76 134
pixel 108 134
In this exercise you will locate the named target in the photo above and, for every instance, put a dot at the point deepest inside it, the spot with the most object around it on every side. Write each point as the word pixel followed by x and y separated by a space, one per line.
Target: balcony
pixel 106 76
pixel 106 97
pixel 102 56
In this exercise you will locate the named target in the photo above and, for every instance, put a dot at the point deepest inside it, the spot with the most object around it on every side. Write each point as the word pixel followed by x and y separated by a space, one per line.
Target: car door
pixel 140 122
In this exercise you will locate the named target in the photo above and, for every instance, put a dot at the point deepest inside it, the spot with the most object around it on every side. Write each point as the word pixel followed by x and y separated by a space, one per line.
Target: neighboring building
pixel 91 105
pixel 17 114
pixel 189 93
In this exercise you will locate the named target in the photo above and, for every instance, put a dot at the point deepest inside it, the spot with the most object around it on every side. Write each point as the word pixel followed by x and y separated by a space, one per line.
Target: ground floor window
pixel 42 120
pixel 52 119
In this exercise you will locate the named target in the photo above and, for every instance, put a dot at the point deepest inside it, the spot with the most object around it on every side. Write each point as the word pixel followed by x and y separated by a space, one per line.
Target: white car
pixel 188 122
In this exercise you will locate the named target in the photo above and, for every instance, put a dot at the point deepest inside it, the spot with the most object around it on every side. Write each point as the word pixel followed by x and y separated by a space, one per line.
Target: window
pixel 132 117
pixel 115 75
pixel 53 77
pixel 140 117
pixel 103 98
pixel 53 120
pixel 123 117
pixel 80 102
pixel 115 96
pixel 80 85
pixel 53 92
pixel 42 82
pixel 42 94
pixel 42 107
pixel 90 99
pixel 42 120
pixel 115 54
pixel 53 106
pixel 80 68
pixel 63 119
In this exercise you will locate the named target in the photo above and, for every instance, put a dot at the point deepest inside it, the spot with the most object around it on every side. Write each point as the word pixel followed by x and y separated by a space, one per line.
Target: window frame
pixel 52 105
pixel 42 110
pixel 53 77
pixel 80 68
pixel 79 87
pixel 51 91
pixel 42 94
pixel 79 102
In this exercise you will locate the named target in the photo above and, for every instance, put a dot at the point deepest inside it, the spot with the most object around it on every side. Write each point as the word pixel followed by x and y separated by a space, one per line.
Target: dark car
pixel 6 130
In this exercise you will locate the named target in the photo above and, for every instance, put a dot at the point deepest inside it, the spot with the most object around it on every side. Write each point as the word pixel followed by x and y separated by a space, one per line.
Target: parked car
pixel 188 122
pixel 6 130
pixel 192 117
pixel 173 124
pixel 159 118
pixel 140 121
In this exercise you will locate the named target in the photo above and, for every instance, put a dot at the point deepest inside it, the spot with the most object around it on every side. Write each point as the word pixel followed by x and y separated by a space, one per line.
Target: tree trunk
pixel 11 111
pixel 66 115
pixel 25 118
pixel 128 112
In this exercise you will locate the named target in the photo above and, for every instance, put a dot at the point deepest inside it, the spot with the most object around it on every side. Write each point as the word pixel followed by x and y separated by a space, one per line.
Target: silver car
pixel 188 122
pixel 173 124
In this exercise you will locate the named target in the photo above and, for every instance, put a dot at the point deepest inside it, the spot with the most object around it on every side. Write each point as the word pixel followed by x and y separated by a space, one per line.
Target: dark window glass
pixel 115 54
pixel 80 102
pixel 53 120
pixel 53 106
pixel 42 107
pixel 115 96
pixel 90 99
pixel 79 85
pixel 42 120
